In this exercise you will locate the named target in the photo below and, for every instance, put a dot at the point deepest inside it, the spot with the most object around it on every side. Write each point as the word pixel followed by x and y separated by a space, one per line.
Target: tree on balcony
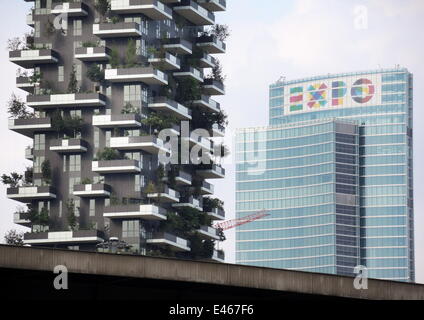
pixel 130 109
pixel 109 154
pixel 102 7
pixel 220 31
pixel 28 175
pixel 15 44
pixel 46 172
pixel 70 210
pixel 73 82
pixel 13 180
pixel 95 73
pixel 201 249
pixel 217 73
pixel 70 126
pixel 188 90
pixel 206 120
pixel 13 238
pixel 114 60
pixel 17 109
pixel 131 54
pixel 160 120
pixel 212 203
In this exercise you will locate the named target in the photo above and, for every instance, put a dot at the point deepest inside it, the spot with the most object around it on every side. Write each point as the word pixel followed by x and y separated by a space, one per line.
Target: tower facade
pixel 334 170
pixel 116 89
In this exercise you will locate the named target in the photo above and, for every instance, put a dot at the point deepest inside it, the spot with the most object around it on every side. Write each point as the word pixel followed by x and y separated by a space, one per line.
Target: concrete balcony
pixel 89 54
pixel 99 190
pixel 21 219
pixel 28 194
pixel 167 62
pixel 165 195
pixel 147 75
pixel 189 72
pixel 208 233
pixel 72 100
pixel 189 203
pixel 177 46
pixel 64 237
pixel 194 13
pixel 216 213
pixel 203 142
pixel 213 87
pixel 153 9
pixel 117 30
pixel 183 178
pixel 72 9
pixel 28 127
pixel 217 130
pixel 116 166
pixel 207 61
pixel 213 5
pixel 207 104
pixel 170 1
pixel 30 19
pixel 169 241
pixel 29 153
pixel 24 83
pixel 31 58
pixel 149 144
pixel 170 106
pixel 218 256
pixel 135 211
pixel 212 171
pixel 206 188
pixel 211 44
pixel 69 146
pixel 117 121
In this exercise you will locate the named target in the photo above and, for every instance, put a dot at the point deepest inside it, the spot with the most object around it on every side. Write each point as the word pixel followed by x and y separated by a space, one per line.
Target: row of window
pixel 288 233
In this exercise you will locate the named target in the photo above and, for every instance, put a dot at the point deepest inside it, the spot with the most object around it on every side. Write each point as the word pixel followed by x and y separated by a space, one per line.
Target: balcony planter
pixel 189 72
pixel 64 237
pixel 67 100
pixel 165 194
pixel 28 127
pixel 170 106
pixel 117 30
pixel 213 87
pixel 207 104
pixel 178 46
pixel 99 190
pixel 135 211
pixel 116 166
pixel 150 144
pixel 195 13
pixel 31 58
pixel 92 54
pixel 147 75
pixel 131 120
pixel 28 194
pixel 69 146
pixel 167 62
pixel 212 171
pixel 153 9
pixel 72 9
pixel 169 241
pixel 213 5
pixel 211 44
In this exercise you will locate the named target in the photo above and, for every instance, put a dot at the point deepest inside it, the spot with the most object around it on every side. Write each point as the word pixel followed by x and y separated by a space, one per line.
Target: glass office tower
pixel 334 172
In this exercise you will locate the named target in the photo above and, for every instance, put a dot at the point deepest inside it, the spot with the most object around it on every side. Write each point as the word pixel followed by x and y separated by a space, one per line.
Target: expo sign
pixel 330 93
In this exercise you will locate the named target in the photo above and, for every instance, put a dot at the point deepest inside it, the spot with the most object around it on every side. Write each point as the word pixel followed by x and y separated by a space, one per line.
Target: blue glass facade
pixel 334 171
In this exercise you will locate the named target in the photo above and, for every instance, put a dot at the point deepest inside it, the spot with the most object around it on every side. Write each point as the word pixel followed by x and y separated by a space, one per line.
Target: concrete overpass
pixel 27 273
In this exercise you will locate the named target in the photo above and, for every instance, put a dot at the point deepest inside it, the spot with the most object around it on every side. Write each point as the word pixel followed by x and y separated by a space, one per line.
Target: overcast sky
pixel 270 39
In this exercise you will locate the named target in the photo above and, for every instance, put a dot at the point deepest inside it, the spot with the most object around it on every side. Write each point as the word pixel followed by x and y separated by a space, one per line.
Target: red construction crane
pixel 238 222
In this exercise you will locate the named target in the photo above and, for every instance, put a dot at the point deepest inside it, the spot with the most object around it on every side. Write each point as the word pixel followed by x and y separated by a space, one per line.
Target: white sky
pixel 270 39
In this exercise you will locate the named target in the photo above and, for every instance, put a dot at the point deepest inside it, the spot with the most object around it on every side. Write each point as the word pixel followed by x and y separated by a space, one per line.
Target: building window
pixel 37 29
pixel 72 182
pixel 77 44
pixel 96 138
pixel 75 163
pixel 132 93
pixel 39 142
pixel 92 210
pixel 77 204
pixel 37 164
pixel 78 71
pixel 108 135
pixel 130 229
pixel 60 74
pixel 77 27
pixel 60 208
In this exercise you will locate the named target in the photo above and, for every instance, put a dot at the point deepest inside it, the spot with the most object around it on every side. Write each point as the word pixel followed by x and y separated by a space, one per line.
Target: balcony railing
pixel 189 202
pixel 190 72
pixel 117 30
pixel 99 190
pixel 207 104
pixel 165 194
pixel 207 61
pixel 29 153
pixel 195 13
pixel 75 237
pixel 213 87
pixel 32 58
pixel 171 106
pixel 211 44
pixel 72 9
pixel 218 130
pixel 218 256
pixel 177 45
pixel 25 84
pixel 153 9
pixel 116 166
pixel 28 127
pixel 69 146
pixel 212 171
pixel 167 62
pixel 70 100
pixel 28 194
pixel 169 241
pixel 216 213
pixel 117 121
pixel 92 53
pixel 135 211
pixel 206 188
pixel 150 144
pixel 208 233
pixel 213 5
pixel 183 178
pixel 147 75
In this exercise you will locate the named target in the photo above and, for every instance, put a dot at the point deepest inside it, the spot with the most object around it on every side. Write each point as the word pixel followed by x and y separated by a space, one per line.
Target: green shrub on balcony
pixel 212 203
pixel 160 120
pixel 109 154
pixel 46 172
pixel 17 109
pixel 95 73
